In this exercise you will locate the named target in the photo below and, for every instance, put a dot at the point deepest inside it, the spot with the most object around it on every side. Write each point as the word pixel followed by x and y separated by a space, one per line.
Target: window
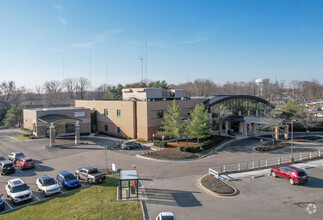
pixel 106 111
pixel 118 130
pixel 118 112
pixel 160 113
pixel 34 127
pixel 106 127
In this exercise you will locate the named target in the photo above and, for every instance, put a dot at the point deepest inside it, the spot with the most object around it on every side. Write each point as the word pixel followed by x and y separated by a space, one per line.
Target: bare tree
pixel 82 85
pixel 70 86
pixel 10 93
pixel 53 93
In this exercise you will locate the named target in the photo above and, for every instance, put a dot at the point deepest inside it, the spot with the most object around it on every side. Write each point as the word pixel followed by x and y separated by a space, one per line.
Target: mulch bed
pixel 269 146
pixel 216 185
pixel 170 154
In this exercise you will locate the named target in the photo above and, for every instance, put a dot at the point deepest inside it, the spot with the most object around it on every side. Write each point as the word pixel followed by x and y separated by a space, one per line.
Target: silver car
pixel 130 145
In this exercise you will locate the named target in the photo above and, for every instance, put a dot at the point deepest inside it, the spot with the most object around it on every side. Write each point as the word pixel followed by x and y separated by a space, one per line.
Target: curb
pixel 144 210
pixel 235 193
pixel 160 160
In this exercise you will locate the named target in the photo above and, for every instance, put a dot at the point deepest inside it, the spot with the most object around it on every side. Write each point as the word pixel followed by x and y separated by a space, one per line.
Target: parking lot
pixel 172 186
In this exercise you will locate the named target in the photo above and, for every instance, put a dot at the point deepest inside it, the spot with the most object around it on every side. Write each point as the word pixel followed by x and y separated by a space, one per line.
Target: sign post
pixel 114 170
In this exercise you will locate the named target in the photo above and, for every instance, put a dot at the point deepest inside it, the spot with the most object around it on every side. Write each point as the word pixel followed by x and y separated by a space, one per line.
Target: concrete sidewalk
pixel 260 173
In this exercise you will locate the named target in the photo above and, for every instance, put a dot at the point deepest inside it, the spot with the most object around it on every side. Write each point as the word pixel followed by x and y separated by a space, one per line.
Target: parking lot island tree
pixel 199 127
pixel 172 123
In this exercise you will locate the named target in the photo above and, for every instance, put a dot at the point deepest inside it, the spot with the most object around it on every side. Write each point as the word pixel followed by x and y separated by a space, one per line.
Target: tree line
pixel 58 93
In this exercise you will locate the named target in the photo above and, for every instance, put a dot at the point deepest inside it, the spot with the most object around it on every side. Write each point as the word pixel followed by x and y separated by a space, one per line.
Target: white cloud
pixel 58 7
pixel 62 21
pixel 98 39
pixel 196 41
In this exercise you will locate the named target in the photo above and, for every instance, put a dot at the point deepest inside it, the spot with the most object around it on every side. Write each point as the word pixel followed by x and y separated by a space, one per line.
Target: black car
pixel 2 204
pixel 7 167
pixel 2 158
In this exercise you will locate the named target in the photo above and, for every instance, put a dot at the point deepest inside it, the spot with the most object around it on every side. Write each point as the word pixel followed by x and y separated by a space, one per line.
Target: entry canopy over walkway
pixel 222 98
pixel 56 117
pixel 258 120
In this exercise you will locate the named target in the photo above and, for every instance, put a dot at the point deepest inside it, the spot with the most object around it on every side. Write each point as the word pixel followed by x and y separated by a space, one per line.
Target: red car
pixel 25 163
pixel 293 174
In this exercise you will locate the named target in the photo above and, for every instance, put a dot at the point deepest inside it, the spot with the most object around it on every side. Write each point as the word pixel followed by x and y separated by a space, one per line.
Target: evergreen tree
pixel 173 121
pixel 13 116
pixel 199 127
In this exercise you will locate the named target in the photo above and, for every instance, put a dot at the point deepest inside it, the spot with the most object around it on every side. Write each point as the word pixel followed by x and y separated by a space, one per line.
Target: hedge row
pixel 198 148
pixel 158 143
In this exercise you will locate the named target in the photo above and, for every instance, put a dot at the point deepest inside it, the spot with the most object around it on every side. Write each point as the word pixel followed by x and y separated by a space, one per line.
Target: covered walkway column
pixel 241 127
pixel 276 132
pixel 52 135
pixel 245 129
pixel 286 134
pixel 255 128
pixel 227 127
pixel 77 133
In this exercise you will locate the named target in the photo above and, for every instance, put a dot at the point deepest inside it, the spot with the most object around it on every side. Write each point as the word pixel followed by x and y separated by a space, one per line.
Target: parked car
pixel 47 185
pixel 25 163
pixel 18 191
pixel 2 158
pixel 90 174
pixel 2 204
pixel 14 156
pixel 130 145
pixel 67 180
pixel 6 167
pixel 293 174
pixel 166 216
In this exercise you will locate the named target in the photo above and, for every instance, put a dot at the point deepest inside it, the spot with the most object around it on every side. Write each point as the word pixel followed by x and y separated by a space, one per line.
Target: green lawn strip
pixel 21 137
pixel 95 202
pixel 142 142
pixel 24 131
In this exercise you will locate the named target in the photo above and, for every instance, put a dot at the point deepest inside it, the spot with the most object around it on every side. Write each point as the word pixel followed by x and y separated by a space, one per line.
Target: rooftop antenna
pixel 90 67
pixel 107 72
pixel 142 64
pixel 146 71
pixel 63 67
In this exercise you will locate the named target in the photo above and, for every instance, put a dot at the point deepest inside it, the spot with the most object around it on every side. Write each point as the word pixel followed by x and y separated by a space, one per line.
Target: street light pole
pixel 291 149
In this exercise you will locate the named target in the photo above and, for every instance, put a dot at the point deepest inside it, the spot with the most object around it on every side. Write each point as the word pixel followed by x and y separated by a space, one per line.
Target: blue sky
pixel 215 39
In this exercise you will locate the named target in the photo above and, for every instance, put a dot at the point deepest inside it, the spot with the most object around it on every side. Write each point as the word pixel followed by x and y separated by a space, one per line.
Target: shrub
pixel 156 143
pixel 163 144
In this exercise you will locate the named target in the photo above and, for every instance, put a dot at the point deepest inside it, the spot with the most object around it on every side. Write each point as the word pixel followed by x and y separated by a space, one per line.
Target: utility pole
pixel 291 148
pixel 142 64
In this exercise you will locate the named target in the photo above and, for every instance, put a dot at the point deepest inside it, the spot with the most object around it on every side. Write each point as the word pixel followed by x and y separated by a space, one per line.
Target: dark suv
pixel 293 174
pixel 6 167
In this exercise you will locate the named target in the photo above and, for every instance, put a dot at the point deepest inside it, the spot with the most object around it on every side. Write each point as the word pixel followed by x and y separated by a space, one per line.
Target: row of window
pixel 106 112
pixel 106 129
pixel 160 113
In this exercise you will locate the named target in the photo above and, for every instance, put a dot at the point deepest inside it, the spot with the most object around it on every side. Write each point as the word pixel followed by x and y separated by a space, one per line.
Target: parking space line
pixel 8 204
pixel 18 170
pixel 36 197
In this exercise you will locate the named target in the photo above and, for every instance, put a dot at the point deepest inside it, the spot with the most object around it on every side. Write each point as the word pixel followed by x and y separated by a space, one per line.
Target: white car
pixel 166 216
pixel 18 191
pixel 47 185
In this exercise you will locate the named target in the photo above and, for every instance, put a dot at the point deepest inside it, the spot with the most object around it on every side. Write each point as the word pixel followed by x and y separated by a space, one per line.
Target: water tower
pixel 262 87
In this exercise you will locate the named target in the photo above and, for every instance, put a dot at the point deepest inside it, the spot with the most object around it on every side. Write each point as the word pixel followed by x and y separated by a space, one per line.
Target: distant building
pixel 262 87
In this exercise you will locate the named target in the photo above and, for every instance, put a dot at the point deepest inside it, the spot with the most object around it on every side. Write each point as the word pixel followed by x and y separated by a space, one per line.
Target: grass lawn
pixel 25 131
pixel 95 202
pixel 21 137
pixel 142 142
